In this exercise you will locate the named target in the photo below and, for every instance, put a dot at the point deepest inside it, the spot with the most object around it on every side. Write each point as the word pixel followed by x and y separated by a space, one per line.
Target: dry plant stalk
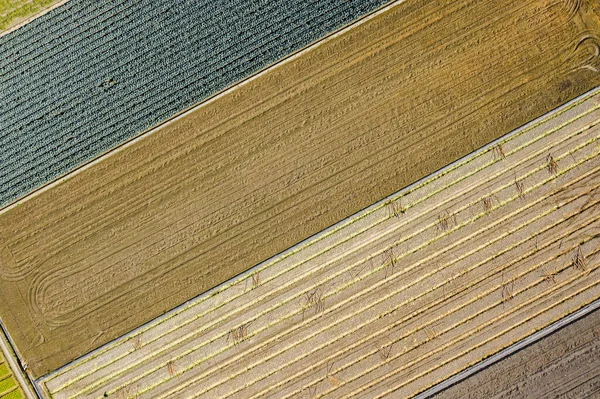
pixel 122 393
pixel 255 280
pixel 499 152
pixel 314 300
pixel 389 260
pixel 431 333
pixel 507 290
pixel 591 195
pixel 445 281
pixel 137 342
pixel 353 276
pixel 385 352
pixel 488 204
pixel 549 277
pixel 551 165
pixel 396 209
pixel 333 380
pixel 520 188
pixel 311 392
pixel 579 260
pixel 445 220
pixel 238 334
pixel 389 257
pixel 171 368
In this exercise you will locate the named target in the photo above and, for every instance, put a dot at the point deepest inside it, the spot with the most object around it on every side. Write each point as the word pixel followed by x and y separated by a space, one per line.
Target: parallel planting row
pixel 394 299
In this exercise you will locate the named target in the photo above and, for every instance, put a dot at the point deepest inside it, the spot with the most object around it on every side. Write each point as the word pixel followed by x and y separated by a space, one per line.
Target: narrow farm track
pixel 278 158
pixel 394 299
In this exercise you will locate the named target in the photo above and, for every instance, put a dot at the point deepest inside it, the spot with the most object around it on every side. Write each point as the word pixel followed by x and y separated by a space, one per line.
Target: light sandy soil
pixel 278 159
pixel 396 298
pixel 565 364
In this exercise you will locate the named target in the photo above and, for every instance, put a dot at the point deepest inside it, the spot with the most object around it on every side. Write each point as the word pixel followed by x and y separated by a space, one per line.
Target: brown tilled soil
pixel 565 364
pixel 278 159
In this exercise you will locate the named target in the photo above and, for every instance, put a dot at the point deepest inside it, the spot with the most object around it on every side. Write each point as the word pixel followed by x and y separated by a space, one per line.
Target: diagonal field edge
pixel 76 142
pixel 7 351
pixel 293 55
pixel 503 138
pixel 584 311
pixel 330 230
pixel 18 22
pixel 20 243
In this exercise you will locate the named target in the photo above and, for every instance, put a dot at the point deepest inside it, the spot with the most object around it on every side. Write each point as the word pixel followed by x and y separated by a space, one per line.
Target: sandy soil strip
pixel 279 158
pixel 565 364
pixel 16 13
pixel 395 299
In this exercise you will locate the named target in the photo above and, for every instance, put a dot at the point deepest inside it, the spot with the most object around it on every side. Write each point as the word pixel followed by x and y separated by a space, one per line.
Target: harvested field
pixel 565 364
pixel 284 155
pixel 16 12
pixel 394 299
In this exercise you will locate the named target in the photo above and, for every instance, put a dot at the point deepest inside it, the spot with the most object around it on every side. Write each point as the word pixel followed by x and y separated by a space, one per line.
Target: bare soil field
pixel 294 150
pixel 396 298
pixel 16 12
pixel 565 364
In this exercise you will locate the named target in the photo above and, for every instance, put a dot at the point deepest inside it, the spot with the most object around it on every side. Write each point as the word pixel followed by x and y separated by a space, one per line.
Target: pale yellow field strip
pixel 9 388
pixel 394 299
pixel 16 13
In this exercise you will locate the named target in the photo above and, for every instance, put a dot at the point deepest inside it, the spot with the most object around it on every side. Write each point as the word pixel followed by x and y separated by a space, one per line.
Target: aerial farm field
pixel 394 299
pixel 306 143
pixel 15 12
pixel 565 364
pixel 89 75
